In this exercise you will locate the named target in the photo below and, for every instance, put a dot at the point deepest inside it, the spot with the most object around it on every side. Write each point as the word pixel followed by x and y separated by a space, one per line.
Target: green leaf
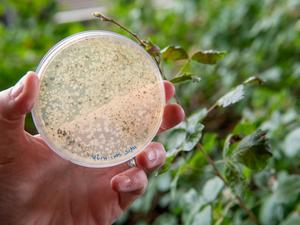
pixel 175 138
pixel 233 173
pixel 193 138
pixel 238 93
pixel 194 118
pixel 292 220
pixel 185 77
pixel 174 53
pixel 210 141
pixel 253 151
pixel 232 97
pixel 165 219
pixel 244 128
pixel 228 146
pixel 184 137
pixel 291 144
pixel 204 217
pixel 167 164
pixel 192 203
pixel 288 189
pixel 212 189
pixel 194 129
pixel 271 212
pixel 190 198
pixel 208 57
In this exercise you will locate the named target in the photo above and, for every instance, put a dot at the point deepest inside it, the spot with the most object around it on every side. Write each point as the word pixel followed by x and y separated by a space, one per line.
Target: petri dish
pixel 101 99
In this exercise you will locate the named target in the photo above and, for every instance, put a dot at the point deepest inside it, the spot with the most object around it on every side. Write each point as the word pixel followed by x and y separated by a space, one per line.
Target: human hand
pixel 39 187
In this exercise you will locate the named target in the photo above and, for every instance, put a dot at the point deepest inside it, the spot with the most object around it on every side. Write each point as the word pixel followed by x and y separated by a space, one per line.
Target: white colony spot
pixel 101 99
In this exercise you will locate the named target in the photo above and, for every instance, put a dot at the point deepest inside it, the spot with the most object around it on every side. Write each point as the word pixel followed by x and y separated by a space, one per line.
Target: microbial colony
pixel 101 99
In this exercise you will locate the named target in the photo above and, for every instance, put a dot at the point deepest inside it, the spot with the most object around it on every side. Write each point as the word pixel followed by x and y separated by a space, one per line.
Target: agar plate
pixel 101 99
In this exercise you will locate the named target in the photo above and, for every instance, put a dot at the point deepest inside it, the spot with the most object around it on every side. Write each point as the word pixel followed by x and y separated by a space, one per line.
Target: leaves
pixel 212 188
pixel 193 138
pixel 291 144
pixel 184 137
pixel 233 173
pixel 238 93
pixel 288 189
pixel 167 164
pixel 208 56
pixel 174 53
pixel 194 118
pixel 175 138
pixel 185 77
pixel 232 97
pixel 292 220
pixel 204 217
pixel 166 219
pixel 271 212
pixel 253 150
pixel 229 141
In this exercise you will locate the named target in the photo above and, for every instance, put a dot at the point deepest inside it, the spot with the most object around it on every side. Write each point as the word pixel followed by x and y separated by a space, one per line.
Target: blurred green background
pixel 262 38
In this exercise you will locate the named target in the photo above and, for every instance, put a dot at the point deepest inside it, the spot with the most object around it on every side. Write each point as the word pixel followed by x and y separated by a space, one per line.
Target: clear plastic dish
pixel 101 99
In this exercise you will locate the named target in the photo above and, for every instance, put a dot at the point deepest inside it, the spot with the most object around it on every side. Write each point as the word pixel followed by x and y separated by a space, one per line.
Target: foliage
pixel 227 164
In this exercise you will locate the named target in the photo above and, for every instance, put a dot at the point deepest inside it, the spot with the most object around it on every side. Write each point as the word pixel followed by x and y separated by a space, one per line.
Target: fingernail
pixel 124 183
pixel 151 155
pixel 17 89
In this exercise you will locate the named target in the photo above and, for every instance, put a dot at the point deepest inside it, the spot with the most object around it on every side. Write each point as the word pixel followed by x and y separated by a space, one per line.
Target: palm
pixel 72 195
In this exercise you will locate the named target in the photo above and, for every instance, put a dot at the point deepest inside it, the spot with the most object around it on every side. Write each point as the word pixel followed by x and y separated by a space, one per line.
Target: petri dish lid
pixel 101 99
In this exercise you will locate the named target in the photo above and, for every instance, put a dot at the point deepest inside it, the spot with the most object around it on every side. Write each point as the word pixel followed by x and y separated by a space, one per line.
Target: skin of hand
pixel 39 187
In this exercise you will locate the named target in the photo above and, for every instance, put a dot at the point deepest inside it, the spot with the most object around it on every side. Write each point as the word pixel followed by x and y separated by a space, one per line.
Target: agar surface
pixel 101 100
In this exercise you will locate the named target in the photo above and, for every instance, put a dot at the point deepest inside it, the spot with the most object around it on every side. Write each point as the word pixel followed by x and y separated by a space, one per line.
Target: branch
pixel 106 19
pixel 213 107
pixel 134 35
pixel 240 202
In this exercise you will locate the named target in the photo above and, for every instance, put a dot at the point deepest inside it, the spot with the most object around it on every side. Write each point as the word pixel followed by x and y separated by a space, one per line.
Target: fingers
pixel 169 90
pixel 18 100
pixel 130 185
pixel 173 115
pixel 152 157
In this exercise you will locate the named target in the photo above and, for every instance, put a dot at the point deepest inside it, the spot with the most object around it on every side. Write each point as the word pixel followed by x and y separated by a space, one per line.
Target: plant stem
pixel 160 70
pixel 240 202
pixel 107 19
pixel 221 219
pixel 134 35
pixel 213 107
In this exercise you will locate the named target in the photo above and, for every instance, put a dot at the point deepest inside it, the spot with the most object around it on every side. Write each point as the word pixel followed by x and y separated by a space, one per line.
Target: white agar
pixel 101 99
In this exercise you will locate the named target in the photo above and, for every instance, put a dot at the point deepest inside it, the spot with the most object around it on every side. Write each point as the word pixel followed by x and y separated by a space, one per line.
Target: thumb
pixel 15 102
